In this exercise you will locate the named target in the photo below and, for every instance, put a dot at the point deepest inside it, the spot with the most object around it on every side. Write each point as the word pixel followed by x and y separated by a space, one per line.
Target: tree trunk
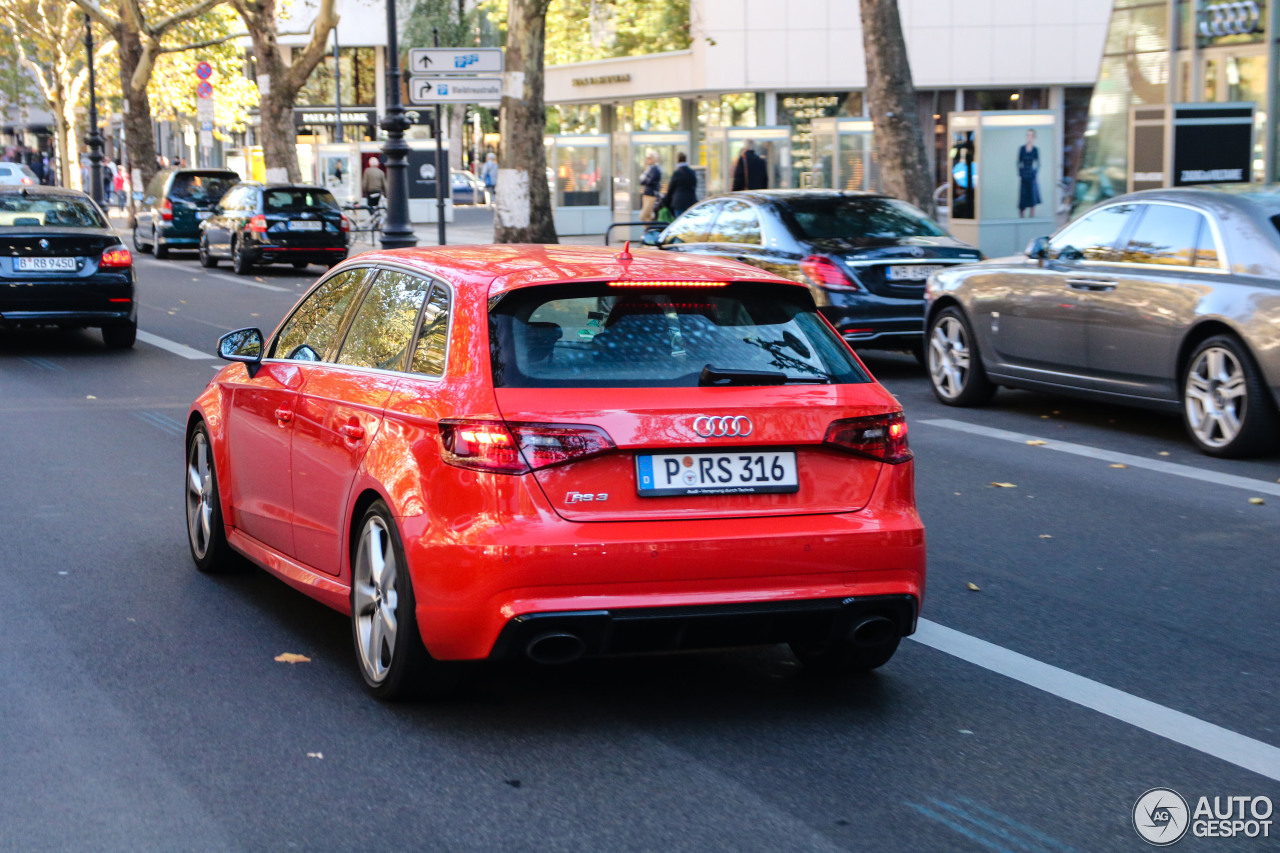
pixel 139 141
pixel 62 139
pixel 891 96
pixel 457 149
pixel 279 139
pixel 523 201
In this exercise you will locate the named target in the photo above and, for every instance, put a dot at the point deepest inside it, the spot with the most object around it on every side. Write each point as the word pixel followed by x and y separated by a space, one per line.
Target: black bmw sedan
pixel 62 264
pixel 274 223
pixel 864 256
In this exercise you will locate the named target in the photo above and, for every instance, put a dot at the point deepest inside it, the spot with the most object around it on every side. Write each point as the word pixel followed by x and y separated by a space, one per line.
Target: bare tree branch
pixel 200 44
pixel 163 25
pixel 99 14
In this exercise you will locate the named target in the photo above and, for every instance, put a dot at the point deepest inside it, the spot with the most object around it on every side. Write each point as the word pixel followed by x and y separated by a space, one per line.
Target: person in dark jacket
pixel 749 170
pixel 650 186
pixel 682 189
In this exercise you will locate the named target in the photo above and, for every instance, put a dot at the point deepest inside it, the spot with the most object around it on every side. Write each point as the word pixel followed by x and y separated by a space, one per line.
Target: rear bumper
pixel 878 321
pixel 648 630
pixel 78 302
pixel 307 254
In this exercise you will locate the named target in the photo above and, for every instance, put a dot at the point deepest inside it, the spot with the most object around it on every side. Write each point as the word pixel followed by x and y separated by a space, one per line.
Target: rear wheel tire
pixel 954 363
pixel 205 532
pixel 240 259
pixel 161 251
pixel 144 248
pixel 207 260
pixel 1226 406
pixel 120 337
pixel 300 265
pixel 384 627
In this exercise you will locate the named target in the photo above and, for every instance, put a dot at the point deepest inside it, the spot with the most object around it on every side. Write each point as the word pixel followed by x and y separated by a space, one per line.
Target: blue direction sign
pixel 456 60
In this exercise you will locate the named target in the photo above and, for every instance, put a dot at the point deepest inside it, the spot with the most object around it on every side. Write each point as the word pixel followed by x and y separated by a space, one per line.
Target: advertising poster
pixel 1018 181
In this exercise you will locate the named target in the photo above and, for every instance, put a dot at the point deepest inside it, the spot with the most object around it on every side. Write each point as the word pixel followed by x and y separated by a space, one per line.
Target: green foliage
pixel 585 30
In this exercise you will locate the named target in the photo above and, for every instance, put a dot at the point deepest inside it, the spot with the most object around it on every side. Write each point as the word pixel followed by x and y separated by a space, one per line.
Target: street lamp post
pixel 94 139
pixel 397 233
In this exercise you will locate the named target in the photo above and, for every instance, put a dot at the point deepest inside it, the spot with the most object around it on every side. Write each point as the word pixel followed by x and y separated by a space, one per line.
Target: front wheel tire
pixel 138 244
pixel 240 262
pixel 205 532
pixel 1225 403
pixel 384 626
pixel 161 251
pixel 955 365
pixel 207 260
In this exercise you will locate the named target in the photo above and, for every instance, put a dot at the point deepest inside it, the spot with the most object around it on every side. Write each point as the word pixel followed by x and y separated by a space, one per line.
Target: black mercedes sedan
pixel 864 256
pixel 257 224
pixel 62 264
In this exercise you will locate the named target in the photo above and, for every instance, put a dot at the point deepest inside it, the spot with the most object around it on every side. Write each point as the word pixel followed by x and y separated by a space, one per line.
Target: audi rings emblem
pixel 1230 19
pixel 722 427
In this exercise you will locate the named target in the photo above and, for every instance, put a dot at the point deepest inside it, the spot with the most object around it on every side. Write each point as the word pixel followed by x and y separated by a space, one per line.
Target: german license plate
pixel 751 472
pixel 912 272
pixel 45 264
pixel 305 225
pixel 203 214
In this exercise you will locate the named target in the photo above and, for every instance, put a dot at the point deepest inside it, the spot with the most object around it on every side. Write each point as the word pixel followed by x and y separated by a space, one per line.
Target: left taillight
pixel 825 272
pixel 517 448
pixel 27 181
pixel 882 437
pixel 257 224
pixel 117 257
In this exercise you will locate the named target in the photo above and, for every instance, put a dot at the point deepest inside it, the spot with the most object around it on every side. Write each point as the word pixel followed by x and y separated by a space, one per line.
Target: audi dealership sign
pixel 1230 19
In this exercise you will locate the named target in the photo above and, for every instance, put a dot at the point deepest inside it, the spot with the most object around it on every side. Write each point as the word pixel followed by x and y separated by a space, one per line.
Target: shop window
pixel 355 68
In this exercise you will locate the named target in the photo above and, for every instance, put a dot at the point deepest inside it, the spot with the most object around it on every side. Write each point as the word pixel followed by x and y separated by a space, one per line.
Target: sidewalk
pixel 472 225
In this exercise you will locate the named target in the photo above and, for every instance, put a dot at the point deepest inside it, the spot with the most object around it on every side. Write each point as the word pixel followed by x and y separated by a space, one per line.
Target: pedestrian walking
pixel 373 183
pixel 489 174
pixel 682 189
pixel 750 172
pixel 118 185
pixel 650 186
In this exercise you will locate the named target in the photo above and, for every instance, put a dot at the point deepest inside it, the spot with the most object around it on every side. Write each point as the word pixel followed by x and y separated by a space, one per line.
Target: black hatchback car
pixel 174 205
pixel 256 224
pixel 62 264
pixel 864 256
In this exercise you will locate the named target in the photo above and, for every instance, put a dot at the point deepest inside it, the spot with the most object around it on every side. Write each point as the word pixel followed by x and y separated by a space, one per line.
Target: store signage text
pixel 602 81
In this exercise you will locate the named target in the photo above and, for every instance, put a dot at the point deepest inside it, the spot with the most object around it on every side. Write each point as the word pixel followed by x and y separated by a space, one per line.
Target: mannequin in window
pixel 1028 172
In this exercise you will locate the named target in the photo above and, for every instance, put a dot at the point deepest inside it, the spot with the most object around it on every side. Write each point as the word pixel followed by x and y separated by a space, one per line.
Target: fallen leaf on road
pixel 1046 417
pixel 319 755
pixel 1004 485
pixel 290 657
pixel 258 278
pixel 1257 501
pixel 1118 465
pixel 1045 536
pixel 1035 442
pixel 90 397
pixel 1164 453
pixel 973 587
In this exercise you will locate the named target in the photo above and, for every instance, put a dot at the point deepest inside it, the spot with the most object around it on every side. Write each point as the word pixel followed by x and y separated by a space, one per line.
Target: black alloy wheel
pixel 207 260
pixel 240 262
pixel 161 251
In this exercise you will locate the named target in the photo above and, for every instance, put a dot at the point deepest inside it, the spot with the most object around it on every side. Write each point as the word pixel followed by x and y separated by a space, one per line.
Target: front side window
pixel 693 226
pixel 593 335
pixel 310 332
pixel 1165 235
pixel 737 223
pixel 383 328
pixel 1093 237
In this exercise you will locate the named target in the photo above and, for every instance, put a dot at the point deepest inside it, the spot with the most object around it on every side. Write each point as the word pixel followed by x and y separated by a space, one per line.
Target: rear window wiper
pixel 724 376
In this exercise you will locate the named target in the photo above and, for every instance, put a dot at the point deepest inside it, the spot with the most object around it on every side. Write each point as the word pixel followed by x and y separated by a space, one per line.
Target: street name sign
pixel 456 60
pixel 455 90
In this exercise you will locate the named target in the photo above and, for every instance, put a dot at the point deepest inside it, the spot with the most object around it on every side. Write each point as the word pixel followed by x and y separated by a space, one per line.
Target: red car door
pixel 340 412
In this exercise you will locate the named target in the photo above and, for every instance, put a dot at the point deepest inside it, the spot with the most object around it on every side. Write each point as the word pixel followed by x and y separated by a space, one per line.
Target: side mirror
pixel 1038 249
pixel 243 345
pixel 653 237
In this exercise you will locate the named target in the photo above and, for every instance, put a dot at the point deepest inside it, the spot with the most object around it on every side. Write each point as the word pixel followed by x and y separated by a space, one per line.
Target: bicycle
pixel 366 222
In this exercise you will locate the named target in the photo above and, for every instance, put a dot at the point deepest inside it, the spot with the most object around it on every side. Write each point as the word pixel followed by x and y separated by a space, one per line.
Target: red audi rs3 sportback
pixel 550 452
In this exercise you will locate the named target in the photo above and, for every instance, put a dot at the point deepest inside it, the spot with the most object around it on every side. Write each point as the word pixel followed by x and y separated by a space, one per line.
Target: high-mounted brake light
pixel 166 210
pixel 882 437
pixel 257 224
pixel 117 257
pixel 668 283
pixel 824 272
pixel 517 448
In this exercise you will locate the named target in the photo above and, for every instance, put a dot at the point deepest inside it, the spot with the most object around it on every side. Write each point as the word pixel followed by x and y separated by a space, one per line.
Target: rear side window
pixel 1165 235
pixel 315 323
pixel 292 200
pixel 693 226
pixel 382 330
pixel 433 340
pixel 598 336
pixel 737 223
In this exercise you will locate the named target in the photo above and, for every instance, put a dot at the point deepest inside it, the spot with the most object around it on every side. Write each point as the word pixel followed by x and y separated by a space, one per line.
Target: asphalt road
pixel 1123 637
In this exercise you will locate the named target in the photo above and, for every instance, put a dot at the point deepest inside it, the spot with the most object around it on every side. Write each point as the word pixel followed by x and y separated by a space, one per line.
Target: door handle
pixel 1093 285
pixel 284 414
pixel 355 432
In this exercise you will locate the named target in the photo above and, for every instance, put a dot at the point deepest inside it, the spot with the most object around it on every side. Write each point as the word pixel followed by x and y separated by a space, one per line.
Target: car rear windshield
pixel 293 199
pixel 56 211
pixel 857 219
pixel 202 187
pixel 594 335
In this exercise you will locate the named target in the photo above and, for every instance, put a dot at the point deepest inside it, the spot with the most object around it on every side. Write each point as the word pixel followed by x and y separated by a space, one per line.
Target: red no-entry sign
pixel 204 70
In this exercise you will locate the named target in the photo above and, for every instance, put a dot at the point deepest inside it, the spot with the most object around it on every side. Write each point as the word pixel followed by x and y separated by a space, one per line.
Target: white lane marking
pixel 173 347
pixel 1213 740
pixel 1204 476
pixel 256 284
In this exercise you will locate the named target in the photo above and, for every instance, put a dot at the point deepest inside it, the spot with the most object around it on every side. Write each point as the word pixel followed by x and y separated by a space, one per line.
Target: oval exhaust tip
pixel 555 648
pixel 874 631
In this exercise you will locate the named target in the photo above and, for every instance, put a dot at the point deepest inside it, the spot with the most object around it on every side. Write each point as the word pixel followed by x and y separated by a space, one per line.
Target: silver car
pixel 1167 299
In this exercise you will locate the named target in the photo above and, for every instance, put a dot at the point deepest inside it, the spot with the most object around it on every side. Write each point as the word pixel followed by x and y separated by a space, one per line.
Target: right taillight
pixel 517 448
pixel 825 272
pixel 882 437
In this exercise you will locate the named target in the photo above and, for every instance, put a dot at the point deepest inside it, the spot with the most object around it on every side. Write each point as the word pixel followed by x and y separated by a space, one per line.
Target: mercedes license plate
pixel 45 264
pixel 912 272
pixel 305 225
pixel 751 472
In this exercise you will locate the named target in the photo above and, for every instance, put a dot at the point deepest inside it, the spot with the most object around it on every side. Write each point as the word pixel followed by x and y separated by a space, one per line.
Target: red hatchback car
pixel 550 452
